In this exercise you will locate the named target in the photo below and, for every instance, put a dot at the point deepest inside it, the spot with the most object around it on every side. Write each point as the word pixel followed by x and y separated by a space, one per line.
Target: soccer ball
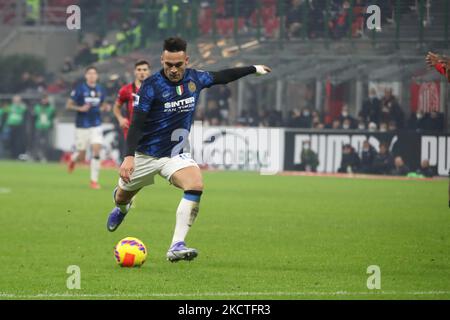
pixel 130 252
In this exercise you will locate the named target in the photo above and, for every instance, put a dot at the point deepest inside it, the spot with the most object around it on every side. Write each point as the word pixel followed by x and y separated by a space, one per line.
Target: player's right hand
pixel 127 169
pixel 124 123
pixel 432 59
pixel 84 108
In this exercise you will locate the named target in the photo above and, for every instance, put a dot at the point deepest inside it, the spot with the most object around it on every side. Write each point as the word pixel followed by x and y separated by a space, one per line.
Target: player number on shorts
pixel 180 135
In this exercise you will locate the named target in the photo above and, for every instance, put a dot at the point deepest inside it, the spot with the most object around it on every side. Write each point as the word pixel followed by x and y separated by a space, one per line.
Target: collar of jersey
pixel 170 82
pixel 92 88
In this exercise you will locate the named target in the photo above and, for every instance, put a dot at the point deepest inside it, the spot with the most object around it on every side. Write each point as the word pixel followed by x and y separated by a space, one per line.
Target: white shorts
pixel 146 167
pixel 88 136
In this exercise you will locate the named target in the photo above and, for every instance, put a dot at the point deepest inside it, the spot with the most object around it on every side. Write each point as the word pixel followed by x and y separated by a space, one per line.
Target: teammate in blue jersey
pixel 159 129
pixel 88 100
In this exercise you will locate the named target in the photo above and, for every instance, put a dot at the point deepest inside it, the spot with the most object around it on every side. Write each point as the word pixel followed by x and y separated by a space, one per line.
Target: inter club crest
pixel 192 87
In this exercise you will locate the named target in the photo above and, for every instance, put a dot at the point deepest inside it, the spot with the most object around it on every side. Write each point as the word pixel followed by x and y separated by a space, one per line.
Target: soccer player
pixel 164 114
pixel 88 100
pixel 128 93
pixel 441 64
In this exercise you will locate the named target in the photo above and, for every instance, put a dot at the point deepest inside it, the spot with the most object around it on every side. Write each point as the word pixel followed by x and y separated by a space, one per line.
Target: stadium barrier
pixel 272 150
pixel 413 147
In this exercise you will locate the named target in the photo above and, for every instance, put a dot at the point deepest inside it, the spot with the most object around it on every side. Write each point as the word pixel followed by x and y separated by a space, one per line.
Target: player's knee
pixel 195 185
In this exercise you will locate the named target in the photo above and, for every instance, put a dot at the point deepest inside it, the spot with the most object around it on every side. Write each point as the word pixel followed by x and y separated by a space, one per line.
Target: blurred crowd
pixel 25 128
pixel 375 115
pixel 367 161
pixel 303 18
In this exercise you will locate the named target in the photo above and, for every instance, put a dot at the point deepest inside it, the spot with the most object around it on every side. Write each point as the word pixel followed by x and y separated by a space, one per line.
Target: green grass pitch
pixel 259 237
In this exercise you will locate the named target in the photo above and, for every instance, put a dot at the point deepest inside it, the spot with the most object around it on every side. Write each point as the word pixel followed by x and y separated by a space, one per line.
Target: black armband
pixel 229 75
pixel 135 132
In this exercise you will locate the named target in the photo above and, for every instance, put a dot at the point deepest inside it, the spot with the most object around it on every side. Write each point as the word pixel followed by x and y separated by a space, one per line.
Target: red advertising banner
pixel 425 96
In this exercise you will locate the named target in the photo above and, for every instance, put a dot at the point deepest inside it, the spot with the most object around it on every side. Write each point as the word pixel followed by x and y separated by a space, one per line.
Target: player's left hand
pixel 127 169
pixel 262 69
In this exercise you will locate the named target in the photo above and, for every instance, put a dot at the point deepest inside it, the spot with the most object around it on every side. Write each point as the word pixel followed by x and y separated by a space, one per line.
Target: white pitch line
pixel 224 294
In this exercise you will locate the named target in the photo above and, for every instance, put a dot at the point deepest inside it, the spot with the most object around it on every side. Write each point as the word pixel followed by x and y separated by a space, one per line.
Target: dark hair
pixel 141 63
pixel 175 44
pixel 90 68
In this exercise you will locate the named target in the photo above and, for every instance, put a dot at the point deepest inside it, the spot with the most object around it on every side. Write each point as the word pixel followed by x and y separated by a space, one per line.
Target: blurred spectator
pixel 309 159
pixel 391 109
pixel 84 56
pixel 348 122
pixel 245 119
pixel 361 124
pixel 15 123
pixel 426 170
pixel 371 108
pixel 305 120
pixel 68 65
pixel 336 125
pixel 32 12
pixel 432 121
pixel 44 113
pixel 372 127
pixel 294 18
pixel 414 120
pixel 400 168
pixel 212 113
pixel 167 23
pixel 39 84
pixel 221 94
pixel 316 22
pixel 339 25
pixel 317 120
pixel 383 162
pixel 263 118
pixel 123 39
pixel 294 118
pixel 26 82
pixel 368 154
pixel 350 160
pixel 383 127
pixel 392 126
pixel 275 118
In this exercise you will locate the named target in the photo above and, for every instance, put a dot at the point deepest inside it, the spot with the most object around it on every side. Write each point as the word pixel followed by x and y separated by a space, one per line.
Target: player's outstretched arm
pixel 233 74
pixel 440 63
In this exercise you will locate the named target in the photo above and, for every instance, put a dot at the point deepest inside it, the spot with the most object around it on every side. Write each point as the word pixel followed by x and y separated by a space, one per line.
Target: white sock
pixel 186 213
pixel 124 208
pixel 74 156
pixel 95 169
